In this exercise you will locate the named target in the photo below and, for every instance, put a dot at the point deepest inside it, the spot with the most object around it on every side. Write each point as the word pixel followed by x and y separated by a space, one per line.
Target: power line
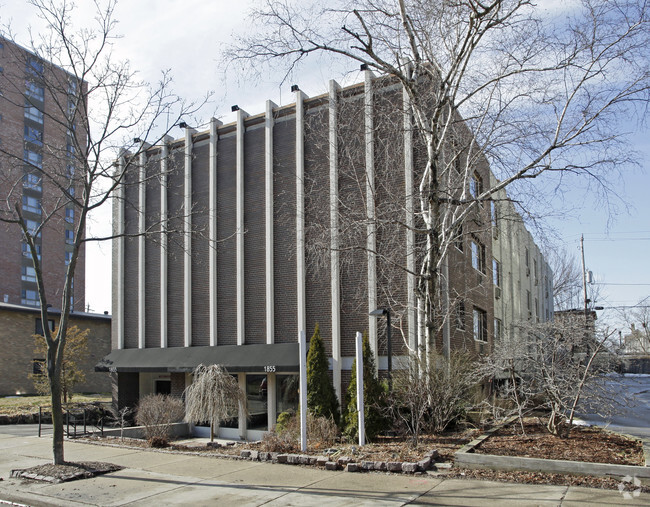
pixel 626 284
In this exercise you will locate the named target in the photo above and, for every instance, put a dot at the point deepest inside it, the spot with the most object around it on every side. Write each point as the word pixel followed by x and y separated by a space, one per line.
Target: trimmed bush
pixel 321 397
pixel 373 396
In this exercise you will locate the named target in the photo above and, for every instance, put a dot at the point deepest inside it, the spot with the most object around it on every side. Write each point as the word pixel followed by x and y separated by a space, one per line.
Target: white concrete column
pixel 142 209
pixel 242 421
pixel 271 389
pixel 360 400
pixel 409 220
pixel 371 240
pixel 164 170
pixel 212 216
pixel 241 115
pixel 119 232
pixel 302 361
pixel 268 229
pixel 187 244
pixel 300 210
pixel 335 279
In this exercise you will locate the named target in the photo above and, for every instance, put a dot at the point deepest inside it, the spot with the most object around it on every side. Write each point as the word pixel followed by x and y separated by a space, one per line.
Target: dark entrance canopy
pixel 279 357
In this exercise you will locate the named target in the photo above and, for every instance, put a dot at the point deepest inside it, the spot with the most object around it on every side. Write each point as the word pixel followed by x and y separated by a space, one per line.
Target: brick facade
pixel 17 327
pixel 23 136
pixel 241 208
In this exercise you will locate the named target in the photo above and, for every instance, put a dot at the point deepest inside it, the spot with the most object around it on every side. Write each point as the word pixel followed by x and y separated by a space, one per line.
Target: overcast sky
pixel 187 37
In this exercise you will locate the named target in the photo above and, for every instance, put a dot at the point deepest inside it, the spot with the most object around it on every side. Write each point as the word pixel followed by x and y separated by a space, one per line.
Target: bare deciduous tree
pixel 539 93
pixel 96 108
pixel 638 339
pixel 558 367
pixel 429 399
pixel 214 396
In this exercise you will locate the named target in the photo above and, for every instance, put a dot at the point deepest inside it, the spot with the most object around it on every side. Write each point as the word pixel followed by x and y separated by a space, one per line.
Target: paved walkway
pixel 156 478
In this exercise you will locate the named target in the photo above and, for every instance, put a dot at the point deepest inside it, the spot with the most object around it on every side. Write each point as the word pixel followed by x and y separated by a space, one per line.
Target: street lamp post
pixel 386 312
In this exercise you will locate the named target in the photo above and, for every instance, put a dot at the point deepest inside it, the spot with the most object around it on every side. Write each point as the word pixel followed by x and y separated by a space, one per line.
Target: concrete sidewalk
pixel 157 478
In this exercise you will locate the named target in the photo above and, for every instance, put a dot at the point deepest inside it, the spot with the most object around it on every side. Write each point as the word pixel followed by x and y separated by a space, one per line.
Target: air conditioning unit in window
pixel 497 292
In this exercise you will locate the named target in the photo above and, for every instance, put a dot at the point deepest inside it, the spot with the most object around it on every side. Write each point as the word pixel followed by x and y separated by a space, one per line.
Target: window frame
pixel 479 325
pixel 478 255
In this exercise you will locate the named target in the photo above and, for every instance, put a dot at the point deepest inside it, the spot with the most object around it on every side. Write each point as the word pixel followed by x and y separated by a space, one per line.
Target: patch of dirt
pixel 65 472
pixel 584 443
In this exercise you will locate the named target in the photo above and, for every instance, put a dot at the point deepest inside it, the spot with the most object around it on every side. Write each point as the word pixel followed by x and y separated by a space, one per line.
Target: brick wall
pixel 17 328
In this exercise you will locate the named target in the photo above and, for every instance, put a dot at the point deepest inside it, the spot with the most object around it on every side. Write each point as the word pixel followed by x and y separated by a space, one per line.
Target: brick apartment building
pixel 19 324
pixel 272 248
pixel 36 155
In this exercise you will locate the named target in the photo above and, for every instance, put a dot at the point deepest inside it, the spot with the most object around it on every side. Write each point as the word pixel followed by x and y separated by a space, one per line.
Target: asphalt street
pixel 635 420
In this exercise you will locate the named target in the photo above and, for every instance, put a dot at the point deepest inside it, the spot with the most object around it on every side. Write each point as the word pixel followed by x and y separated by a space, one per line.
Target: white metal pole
pixel 360 407
pixel 303 390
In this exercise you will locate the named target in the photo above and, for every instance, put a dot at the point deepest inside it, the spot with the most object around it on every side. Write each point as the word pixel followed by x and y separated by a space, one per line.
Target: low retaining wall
pixel 177 430
pixel 467 458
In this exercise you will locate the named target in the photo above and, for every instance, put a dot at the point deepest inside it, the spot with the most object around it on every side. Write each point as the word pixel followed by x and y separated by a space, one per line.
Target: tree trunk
pixel 54 375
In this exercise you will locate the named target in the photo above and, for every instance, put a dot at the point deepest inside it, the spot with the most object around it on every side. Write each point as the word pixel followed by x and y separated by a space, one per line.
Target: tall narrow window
pixel 460 315
pixel 69 215
pixel 475 185
pixel 480 325
pixel 498 325
pixel 496 273
pixel 478 256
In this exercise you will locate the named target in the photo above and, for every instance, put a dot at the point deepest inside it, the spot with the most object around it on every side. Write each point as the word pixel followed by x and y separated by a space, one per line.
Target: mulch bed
pixel 584 443
pixel 585 481
pixel 65 472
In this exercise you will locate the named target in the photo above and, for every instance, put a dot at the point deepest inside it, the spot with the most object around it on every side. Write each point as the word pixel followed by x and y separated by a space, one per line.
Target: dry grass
pixel 16 405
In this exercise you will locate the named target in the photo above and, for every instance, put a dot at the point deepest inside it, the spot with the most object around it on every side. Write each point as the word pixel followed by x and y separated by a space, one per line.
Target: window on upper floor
pixel 28 274
pixel 475 185
pixel 479 324
pixel 32 227
pixel 498 329
pixel 27 252
pixel 494 215
pixel 29 297
pixel 32 182
pixel 69 215
pixel 31 204
pixel 458 237
pixel 33 113
pixel 68 258
pixel 34 68
pixel 459 315
pixel 33 135
pixel 478 255
pixel 535 271
pixel 496 273
pixel 33 158
pixel 69 236
pixel 34 91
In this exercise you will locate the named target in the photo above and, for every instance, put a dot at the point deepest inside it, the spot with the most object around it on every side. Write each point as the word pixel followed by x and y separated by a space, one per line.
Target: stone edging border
pixel 346 463
pixel 467 458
